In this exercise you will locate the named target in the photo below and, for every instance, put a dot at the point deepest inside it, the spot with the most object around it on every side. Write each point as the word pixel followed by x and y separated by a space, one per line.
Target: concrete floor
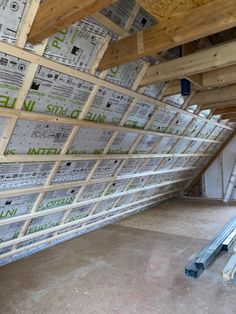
pixel 135 266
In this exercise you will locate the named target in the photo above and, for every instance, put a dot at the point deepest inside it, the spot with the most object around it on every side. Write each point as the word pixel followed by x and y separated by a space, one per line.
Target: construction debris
pixel 229 271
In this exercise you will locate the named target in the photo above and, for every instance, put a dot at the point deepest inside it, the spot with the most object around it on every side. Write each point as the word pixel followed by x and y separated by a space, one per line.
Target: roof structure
pixel 84 144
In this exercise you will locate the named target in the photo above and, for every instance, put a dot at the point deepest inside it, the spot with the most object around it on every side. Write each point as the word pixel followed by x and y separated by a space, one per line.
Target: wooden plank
pixel 86 202
pixel 74 231
pixel 45 212
pixel 220 77
pixel 212 159
pixel 215 95
pixel 220 105
pixel 187 49
pixel 109 24
pixel 226 110
pixel 215 78
pixel 9 159
pixel 27 22
pixel 53 15
pixel 229 271
pixel 200 22
pixel 33 116
pixel 195 63
pixel 175 88
pixel 229 116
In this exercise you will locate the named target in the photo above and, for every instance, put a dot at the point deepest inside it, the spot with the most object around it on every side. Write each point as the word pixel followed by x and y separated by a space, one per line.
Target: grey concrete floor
pixel 135 266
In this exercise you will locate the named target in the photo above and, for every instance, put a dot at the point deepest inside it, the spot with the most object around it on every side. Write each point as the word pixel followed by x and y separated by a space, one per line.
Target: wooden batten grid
pixel 39 31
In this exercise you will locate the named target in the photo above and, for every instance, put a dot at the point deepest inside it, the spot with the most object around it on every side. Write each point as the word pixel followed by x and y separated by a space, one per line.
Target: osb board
pixel 166 9
pixel 46 202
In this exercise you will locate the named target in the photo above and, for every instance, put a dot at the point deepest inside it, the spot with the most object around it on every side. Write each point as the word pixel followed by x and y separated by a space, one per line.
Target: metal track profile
pixel 228 243
pixel 213 247
pixel 209 252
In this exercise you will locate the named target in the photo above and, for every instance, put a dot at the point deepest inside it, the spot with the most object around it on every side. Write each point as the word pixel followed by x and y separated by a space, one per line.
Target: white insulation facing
pixel 59 178
pixel 216 178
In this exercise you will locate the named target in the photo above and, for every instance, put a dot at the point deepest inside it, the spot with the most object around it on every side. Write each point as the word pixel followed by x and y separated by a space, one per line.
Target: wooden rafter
pixel 208 19
pixel 192 64
pixel 53 15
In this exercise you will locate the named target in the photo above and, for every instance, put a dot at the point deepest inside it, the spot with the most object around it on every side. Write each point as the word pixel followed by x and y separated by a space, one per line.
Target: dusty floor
pixel 135 266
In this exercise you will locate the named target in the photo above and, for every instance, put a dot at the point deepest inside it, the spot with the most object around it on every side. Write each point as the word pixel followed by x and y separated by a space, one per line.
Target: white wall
pixel 217 176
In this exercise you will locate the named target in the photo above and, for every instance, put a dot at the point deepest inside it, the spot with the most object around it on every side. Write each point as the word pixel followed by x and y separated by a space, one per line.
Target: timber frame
pixel 212 75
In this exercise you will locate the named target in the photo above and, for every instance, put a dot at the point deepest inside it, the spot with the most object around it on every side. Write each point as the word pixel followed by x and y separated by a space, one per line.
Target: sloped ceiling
pixel 80 149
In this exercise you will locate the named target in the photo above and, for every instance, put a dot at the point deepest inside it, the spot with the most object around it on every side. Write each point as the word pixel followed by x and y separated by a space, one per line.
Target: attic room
pixel 117 156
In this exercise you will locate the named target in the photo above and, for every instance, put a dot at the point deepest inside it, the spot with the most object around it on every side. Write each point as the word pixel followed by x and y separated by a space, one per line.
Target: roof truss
pixel 200 22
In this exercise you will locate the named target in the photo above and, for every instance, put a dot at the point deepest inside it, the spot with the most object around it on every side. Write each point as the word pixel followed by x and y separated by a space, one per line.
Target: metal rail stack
pixel 210 251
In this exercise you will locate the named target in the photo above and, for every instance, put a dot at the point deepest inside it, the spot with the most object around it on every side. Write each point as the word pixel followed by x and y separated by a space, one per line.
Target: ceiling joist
pixel 208 19
pixel 226 110
pixel 195 63
pixel 216 95
pixel 215 78
pixel 219 105
pixel 229 116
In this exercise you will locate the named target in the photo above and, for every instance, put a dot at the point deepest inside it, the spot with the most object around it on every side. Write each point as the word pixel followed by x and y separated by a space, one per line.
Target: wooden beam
pixel 220 77
pixel 188 49
pixel 110 25
pixel 33 116
pixel 226 110
pixel 220 105
pixel 208 19
pixel 175 88
pixel 228 116
pixel 53 15
pixel 192 64
pixel 215 78
pixel 198 177
pixel 215 95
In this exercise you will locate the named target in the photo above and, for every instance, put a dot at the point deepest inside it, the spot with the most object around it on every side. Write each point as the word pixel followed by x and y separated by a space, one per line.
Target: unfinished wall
pixel 217 176
pixel 80 149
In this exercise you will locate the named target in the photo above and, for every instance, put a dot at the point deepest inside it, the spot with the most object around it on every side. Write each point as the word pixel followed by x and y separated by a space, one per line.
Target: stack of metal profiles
pixel 209 252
